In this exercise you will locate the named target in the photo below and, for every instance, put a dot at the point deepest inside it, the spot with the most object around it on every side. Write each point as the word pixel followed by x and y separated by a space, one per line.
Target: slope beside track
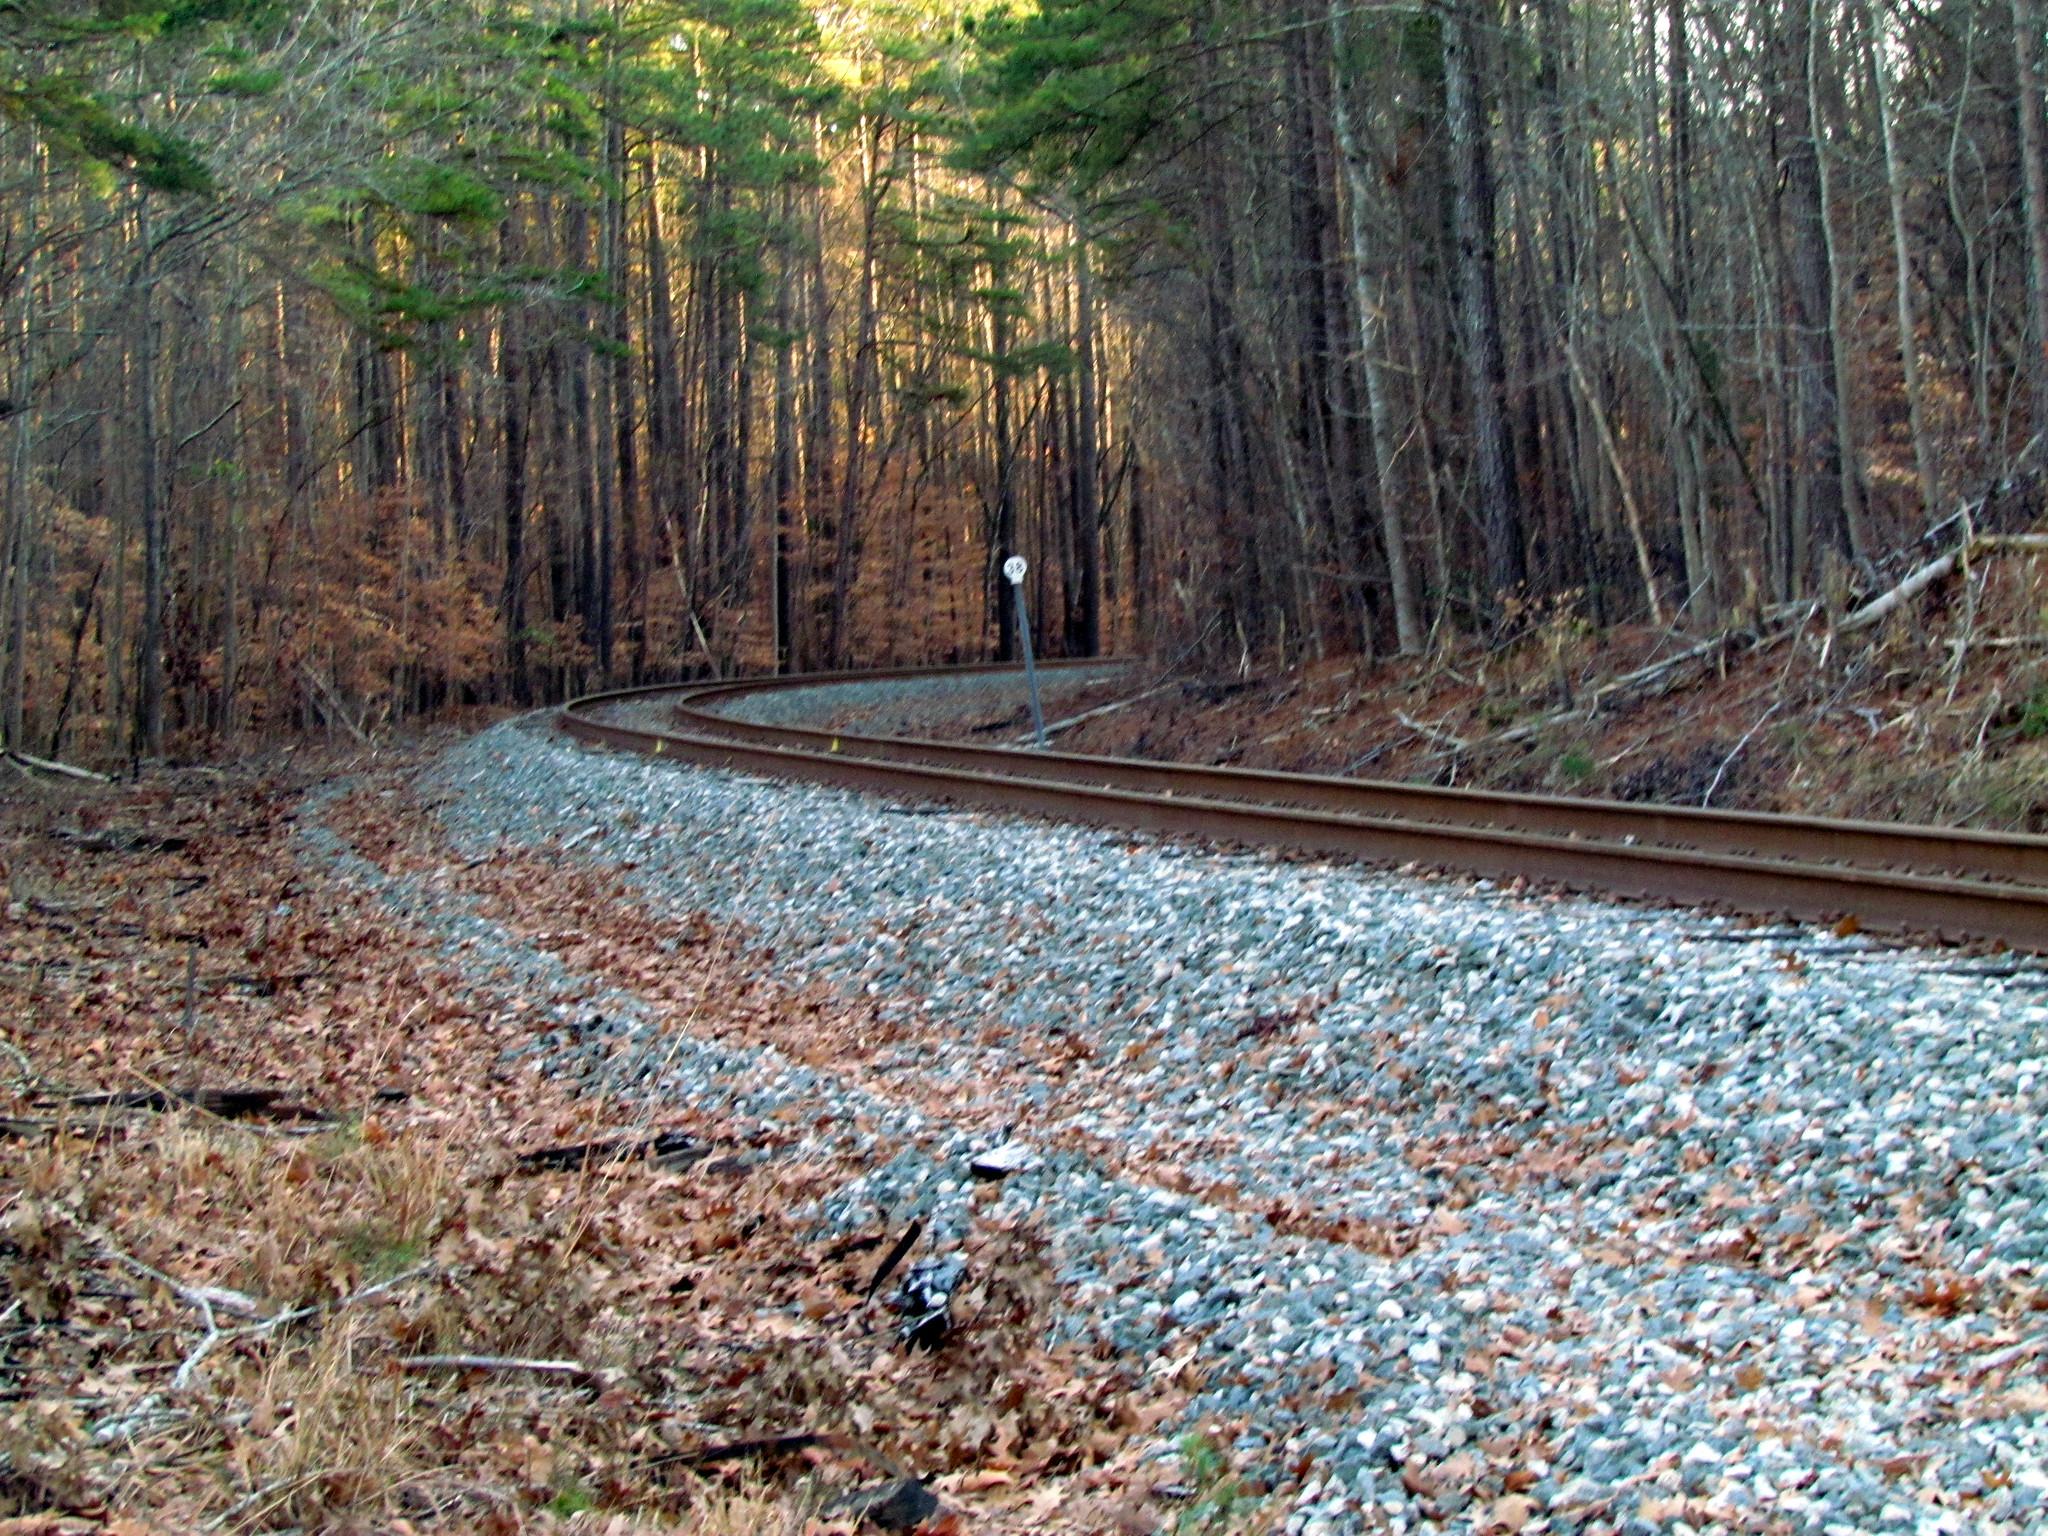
pixel 1954 884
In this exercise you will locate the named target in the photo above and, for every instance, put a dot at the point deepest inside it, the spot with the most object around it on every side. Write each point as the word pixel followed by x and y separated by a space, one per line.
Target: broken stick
pixel 574 1369
pixel 670 1147
pixel 50 765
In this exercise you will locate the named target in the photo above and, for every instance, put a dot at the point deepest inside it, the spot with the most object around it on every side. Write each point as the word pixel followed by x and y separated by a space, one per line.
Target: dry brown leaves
pixel 206 1323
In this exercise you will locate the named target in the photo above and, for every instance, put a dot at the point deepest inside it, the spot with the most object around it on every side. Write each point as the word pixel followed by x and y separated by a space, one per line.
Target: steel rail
pixel 1901 879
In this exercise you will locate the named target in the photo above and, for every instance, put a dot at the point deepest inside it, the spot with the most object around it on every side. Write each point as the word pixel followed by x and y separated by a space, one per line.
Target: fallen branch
pixel 261 986
pixel 50 765
pixel 1937 570
pixel 207 1297
pixel 735 1450
pixel 895 1257
pixel 1054 727
pixel 672 1147
pixel 1371 755
pixel 1641 677
pixel 208 1300
pixel 120 840
pixel 339 1304
pixel 331 706
pixel 227 1103
pixel 573 1369
pixel 21 1129
pixel 1432 733
pixel 1708 798
pixel 1886 602
pixel 149 1416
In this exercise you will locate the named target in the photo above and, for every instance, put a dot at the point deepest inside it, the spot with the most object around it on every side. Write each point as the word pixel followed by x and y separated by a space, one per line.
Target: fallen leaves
pixel 421 1342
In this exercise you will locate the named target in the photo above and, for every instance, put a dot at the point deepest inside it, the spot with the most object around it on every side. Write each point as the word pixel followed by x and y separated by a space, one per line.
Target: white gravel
pixel 1468 1209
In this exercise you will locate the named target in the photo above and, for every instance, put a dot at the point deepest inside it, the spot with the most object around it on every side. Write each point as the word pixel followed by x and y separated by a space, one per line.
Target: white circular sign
pixel 1014 569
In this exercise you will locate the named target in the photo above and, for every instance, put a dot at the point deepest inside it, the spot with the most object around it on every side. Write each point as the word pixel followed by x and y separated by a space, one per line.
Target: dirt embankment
pixel 1937 715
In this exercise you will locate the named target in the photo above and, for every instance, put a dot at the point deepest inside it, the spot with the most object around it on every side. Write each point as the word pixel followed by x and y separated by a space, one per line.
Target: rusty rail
pixel 1949 883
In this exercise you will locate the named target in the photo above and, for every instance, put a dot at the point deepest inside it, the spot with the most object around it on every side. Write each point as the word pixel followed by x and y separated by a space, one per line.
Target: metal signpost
pixel 1014 569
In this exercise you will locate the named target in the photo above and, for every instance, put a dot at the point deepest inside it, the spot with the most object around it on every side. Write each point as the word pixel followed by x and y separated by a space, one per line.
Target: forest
pixel 358 361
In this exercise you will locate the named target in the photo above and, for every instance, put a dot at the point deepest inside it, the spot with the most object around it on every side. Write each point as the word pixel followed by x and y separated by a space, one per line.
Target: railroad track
pixel 1908 880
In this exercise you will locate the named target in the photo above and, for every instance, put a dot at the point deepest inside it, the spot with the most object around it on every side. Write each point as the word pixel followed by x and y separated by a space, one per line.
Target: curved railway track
pixel 1953 884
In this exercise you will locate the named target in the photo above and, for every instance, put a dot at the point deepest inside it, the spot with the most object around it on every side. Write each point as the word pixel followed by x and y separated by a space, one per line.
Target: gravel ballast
pixel 1467 1209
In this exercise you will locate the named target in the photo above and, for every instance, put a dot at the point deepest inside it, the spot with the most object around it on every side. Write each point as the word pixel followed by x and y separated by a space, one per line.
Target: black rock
pixel 901 1505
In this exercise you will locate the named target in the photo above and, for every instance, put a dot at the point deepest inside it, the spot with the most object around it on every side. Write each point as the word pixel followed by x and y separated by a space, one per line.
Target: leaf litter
pixel 366 1315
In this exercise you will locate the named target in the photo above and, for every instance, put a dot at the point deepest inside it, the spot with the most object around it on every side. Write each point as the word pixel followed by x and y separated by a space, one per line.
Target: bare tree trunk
pixel 150 663
pixel 512 365
pixel 1820 516
pixel 664 395
pixel 2026 38
pixel 1500 507
pixel 1003 543
pixel 21 501
pixel 1370 319
pixel 231 542
pixel 624 551
pixel 783 487
pixel 1087 452
pixel 114 640
pixel 1630 507
pixel 1703 558
pixel 1931 495
pixel 629 558
pixel 1854 529
pixel 861 386
pixel 20 547
pixel 740 544
pixel 820 434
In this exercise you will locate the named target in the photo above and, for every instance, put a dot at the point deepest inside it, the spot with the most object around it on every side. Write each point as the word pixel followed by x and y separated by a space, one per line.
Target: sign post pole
pixel 1014 569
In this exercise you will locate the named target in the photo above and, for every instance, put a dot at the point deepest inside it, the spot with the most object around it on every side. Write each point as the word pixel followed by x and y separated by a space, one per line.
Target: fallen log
pixel 1887 602
pixel 1641 677
pixel 51 765
pixel 1936 570
pixel 1443 738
